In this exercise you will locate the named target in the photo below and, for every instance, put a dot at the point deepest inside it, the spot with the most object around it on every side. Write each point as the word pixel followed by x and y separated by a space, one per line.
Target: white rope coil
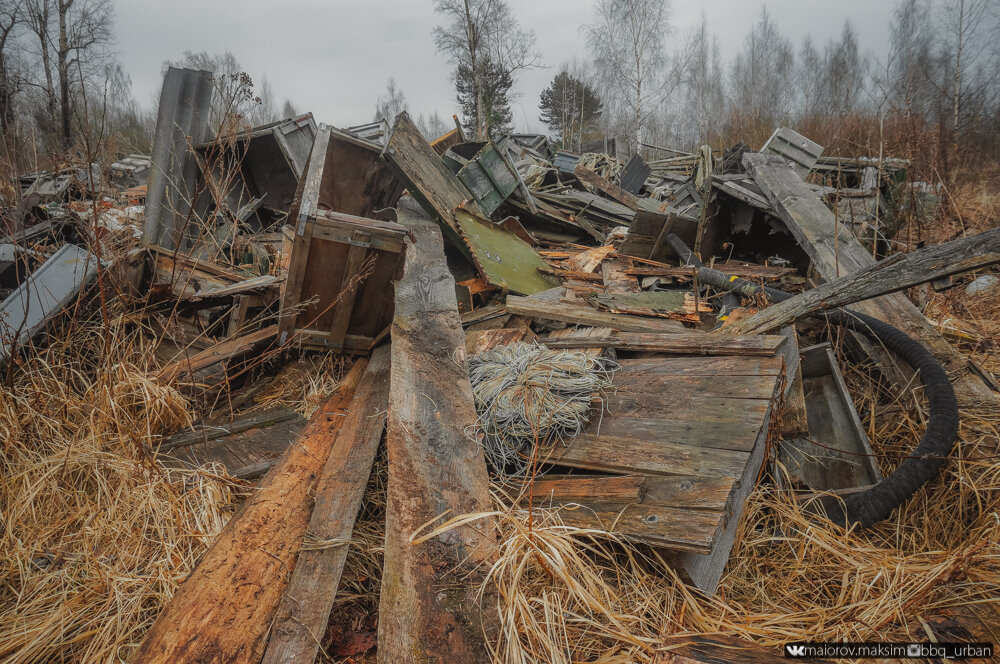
pixel 528 394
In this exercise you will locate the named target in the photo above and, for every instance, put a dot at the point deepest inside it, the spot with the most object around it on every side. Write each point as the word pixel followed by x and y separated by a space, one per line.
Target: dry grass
pixel 95 535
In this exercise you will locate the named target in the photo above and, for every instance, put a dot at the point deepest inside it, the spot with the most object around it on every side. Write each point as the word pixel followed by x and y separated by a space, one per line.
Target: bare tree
pixel 432 126
pixel 911 65
pixel 11 18
pixel 762 75
pixel 484 42
pixel 628 39
pixel 390 104
pixel 71 38
pixel 703 87
pixel 966 45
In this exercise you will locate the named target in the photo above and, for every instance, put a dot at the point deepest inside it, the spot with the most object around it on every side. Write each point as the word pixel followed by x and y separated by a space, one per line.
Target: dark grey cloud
pixel 333 57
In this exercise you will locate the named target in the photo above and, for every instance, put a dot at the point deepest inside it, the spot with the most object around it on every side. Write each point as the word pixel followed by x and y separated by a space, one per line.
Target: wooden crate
pixel 338 293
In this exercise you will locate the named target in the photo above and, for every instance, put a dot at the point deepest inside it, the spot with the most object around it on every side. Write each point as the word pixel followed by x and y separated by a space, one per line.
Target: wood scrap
pixel 224 610
pixel 220 352
pixel 311 591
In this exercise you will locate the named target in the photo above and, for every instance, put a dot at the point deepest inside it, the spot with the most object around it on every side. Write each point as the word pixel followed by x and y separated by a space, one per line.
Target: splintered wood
pixel 224 610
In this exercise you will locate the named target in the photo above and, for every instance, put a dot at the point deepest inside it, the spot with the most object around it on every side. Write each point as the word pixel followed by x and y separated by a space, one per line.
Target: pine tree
pixel 496 84
pixel 571 109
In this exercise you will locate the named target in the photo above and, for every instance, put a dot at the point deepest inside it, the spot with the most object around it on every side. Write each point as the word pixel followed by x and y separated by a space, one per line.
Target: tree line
pixel 936 94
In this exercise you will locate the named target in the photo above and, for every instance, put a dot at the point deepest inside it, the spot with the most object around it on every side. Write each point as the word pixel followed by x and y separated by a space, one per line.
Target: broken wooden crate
pixel 684 438
pixel 337 293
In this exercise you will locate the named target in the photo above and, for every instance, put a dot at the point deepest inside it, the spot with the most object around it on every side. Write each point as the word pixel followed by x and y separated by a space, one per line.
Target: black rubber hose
pixel 877 503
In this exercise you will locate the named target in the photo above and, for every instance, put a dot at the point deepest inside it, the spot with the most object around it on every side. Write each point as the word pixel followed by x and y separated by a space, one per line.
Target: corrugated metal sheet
pixel 182 121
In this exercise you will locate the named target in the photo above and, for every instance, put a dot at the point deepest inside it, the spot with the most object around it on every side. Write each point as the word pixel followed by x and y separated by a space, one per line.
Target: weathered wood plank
pixel 580 314
pixel 835 251
pixel 687 491
pixel 705 366
pixel 691 343
pixel 223 611
pixel 220 352
pixel 669 527
pixel 431 608
pixel 887 276
pixel 428 179
pixel 706 570
pixel 305 608
pixel 658 457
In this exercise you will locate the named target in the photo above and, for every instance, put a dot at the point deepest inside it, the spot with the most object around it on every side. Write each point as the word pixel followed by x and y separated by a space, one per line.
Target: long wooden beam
pixel 431 608
pixel 888 276
pixel 305 608
pixel 224 610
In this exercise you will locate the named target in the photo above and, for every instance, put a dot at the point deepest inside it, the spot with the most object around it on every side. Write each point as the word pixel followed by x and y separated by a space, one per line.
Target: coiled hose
pixel 869 507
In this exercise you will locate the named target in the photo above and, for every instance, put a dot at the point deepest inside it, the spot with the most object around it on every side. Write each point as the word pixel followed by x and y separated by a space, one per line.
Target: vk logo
pixel 795 651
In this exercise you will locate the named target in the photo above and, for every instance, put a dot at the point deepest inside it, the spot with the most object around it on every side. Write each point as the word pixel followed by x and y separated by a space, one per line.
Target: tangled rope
pixel 527 394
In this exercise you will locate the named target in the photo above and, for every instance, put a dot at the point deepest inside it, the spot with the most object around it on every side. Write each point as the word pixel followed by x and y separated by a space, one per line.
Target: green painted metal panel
pixel 503 257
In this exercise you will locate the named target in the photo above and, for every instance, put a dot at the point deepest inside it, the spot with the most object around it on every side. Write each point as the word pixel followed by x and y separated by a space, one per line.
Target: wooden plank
pixel 578 314
pixel 606 187
pixel 616 280
pixel 657 457
pixel 729 426
pixel 683 343
pixel 220 352
pixel 223 611
pixel 685 491
pixel 305 608
pixel 427 178
pixel 228 427
pixel 476 341
pixel 834 251
pixel 893 274
pixel 669 527
pixel 348 289
pixel 706 570
pixel 705 366
pixel 794 421
pixel 431 606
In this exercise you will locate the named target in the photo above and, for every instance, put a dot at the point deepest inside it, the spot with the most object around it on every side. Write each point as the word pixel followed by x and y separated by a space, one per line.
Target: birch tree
pixel 628 39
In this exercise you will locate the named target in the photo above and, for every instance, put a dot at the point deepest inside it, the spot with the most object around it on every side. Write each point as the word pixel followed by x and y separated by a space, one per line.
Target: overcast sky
pixel 332 57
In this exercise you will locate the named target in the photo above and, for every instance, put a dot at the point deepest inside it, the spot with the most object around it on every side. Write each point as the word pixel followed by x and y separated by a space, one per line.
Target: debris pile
pixel 459 371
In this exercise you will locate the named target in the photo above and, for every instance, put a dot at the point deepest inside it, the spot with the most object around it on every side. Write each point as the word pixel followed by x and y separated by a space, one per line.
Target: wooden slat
pixel 693 492
pixel 220 352
pixel 587 315
pixel 631 455
pixel 224 610
pixel 476 341
pixel 349 291
pixel 309 597
pixel 706 366
pixel 432 607
pixel 228 427
pixel 893 274
pixel 669 527
pixel 680 344
pixel 427 178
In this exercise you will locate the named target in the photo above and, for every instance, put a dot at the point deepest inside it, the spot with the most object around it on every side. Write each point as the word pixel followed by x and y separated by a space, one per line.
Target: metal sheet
pixel 43 295
pixel 503 257
pixel 182 121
